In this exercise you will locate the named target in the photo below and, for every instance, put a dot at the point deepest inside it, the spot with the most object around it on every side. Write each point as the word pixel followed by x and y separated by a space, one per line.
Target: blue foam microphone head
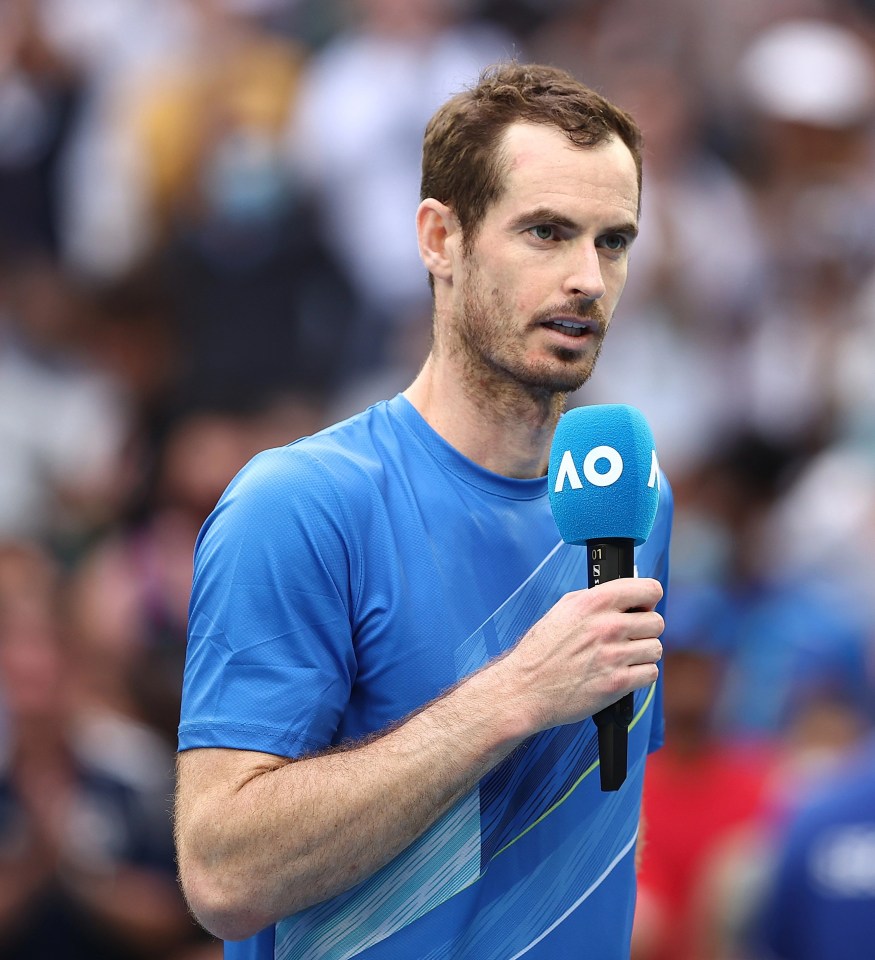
pixel 604 475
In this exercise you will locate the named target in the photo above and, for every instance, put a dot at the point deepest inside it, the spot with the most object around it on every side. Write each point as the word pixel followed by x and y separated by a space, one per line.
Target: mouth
pixel 571 327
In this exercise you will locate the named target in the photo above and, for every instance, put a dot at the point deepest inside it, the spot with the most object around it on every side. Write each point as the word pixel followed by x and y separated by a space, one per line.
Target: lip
pixel 588 327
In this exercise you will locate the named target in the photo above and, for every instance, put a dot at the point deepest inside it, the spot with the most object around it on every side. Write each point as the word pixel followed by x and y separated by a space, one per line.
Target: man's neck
pixel 509 435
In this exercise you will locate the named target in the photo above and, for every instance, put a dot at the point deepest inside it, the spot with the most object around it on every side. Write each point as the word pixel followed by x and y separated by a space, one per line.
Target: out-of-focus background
pixel 207 248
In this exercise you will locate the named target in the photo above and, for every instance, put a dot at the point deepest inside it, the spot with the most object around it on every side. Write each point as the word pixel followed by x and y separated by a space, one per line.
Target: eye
pixel 615 242
pixel 543 231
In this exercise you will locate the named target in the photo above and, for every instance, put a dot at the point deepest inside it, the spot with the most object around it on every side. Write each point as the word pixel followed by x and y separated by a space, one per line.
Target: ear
pixel 438 233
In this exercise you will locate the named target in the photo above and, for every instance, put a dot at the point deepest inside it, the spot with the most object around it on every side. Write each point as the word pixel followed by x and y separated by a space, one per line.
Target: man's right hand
pixel 590 649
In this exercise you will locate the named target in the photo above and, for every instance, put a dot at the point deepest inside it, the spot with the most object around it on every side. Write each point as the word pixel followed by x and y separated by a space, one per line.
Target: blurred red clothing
pixel 692 803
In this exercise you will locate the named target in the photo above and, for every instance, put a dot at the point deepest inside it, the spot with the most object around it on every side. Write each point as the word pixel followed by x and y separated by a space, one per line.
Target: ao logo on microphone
pixel 602 467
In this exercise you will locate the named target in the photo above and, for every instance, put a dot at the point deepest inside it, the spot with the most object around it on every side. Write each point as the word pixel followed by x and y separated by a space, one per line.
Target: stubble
pixel 490 351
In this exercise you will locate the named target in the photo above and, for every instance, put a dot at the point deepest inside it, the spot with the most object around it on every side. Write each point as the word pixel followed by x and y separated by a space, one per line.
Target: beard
pixel 493 349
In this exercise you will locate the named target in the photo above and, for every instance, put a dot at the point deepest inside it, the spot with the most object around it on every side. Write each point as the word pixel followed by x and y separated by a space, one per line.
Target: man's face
pixel 548 263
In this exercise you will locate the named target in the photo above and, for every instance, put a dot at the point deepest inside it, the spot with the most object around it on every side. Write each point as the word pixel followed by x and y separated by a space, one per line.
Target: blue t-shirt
pixel 349 578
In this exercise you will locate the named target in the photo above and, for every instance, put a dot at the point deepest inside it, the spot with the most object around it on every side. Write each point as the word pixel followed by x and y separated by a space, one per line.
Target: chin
pixel 570 373
pixel 553 381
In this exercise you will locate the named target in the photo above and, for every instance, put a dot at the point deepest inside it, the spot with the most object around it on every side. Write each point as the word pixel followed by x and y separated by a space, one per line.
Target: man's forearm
pixel 268 837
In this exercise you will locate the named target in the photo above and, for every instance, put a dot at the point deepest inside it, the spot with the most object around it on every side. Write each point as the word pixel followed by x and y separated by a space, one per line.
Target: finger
pixel 629 593
pixel 645 652
pixel 642 625
pixel 642 675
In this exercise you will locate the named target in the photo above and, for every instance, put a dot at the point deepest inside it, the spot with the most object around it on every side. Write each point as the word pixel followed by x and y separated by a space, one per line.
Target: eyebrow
pixel 549 215
pixel 630 229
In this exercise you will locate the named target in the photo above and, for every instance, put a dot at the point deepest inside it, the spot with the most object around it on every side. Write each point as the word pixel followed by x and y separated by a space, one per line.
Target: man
pixel 386 749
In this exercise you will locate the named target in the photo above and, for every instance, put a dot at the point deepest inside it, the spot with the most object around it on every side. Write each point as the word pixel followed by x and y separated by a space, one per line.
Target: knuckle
pixel 655 590
pixel 615 625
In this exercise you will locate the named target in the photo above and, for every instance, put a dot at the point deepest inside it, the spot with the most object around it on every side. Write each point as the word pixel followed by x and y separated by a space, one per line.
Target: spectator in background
pixel 129 333
pixel 237 241
pixel 809 87
pixel 200 114
pixel 115 48
pixel 765 687
pixel 699 790
pixel 820 901
pixel 829 512
pixel 821 732
pixel 63 422
pixel 714 801
pixel 781 632
pixel 39 95
pixel 354 138
pixel 86 862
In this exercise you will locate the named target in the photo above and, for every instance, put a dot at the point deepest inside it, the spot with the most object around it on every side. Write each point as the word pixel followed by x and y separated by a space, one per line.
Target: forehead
pixel 544 167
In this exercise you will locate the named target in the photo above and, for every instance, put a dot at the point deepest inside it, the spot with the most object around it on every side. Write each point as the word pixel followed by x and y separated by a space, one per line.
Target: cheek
pixel 522 302
pixel 616 281
pixel 505 290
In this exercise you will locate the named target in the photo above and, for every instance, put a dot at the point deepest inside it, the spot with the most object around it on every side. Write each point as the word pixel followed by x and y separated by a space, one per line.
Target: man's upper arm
pixel 270 661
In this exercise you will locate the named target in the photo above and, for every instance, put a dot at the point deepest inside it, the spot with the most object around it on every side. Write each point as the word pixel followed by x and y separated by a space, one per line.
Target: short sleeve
pixel 270 662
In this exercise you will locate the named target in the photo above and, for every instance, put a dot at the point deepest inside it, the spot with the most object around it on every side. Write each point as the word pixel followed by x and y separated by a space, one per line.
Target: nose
pixel 584 277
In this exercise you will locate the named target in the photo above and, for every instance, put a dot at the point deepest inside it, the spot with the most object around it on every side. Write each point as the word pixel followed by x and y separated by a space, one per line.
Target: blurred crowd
pixel 207 248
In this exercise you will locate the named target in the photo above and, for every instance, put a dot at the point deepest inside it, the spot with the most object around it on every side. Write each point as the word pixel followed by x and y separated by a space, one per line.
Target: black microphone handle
pixel 611 558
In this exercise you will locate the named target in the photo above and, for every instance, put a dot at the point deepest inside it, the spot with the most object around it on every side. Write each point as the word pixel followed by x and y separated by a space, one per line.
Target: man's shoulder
pixel 351 451
pixel 330 480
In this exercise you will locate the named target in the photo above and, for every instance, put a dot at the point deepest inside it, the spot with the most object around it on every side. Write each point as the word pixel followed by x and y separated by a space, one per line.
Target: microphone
pixel 603 484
